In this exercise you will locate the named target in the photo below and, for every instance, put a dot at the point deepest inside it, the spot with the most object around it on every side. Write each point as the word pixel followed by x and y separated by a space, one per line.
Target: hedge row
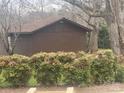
pixel 15 69
pixel 62 68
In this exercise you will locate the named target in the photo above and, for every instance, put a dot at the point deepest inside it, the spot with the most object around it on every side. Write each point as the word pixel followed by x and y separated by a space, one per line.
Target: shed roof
pixel 42 23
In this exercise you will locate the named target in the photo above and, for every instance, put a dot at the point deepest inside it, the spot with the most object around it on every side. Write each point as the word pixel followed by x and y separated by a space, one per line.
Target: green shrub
pixel 66 57
pixel 50 73
pixel 78 73
pixel 47 68
pixel 103 38
pixel 61 68
pixel 15 69
pixel 103 67
pixel 37 59
pixel 75 68
pixel 62 57
pixel 120 74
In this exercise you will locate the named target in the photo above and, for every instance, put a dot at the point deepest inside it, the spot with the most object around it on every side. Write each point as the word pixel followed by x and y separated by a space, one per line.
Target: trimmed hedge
pixel 75 68
pixel 120 74
pixel 15 69
pixel 104 67
pixel 61 68
pixel 77 73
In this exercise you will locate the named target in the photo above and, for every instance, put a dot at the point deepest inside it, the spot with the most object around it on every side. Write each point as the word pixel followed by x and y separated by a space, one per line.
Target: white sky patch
pixel 51 7
pixel 34 5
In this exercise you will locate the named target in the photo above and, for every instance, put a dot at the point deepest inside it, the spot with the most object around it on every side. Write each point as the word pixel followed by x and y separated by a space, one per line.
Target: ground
pixel 112 88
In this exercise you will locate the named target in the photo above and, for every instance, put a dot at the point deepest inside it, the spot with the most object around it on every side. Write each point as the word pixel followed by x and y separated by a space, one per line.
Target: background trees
pixel 91 13
pixel 103 38
pixel 109 10
pixel 10 21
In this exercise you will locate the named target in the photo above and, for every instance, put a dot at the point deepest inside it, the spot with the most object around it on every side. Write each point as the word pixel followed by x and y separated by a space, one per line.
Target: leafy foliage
pixel 120 74
pixel 15 69
pixel 103 68
pixel 50 73
pixel 76 68
pixel 61 68
pixel 103 41
pixel 78 73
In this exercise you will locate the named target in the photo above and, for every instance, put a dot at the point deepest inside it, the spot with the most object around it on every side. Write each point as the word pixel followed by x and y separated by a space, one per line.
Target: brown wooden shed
pixel 51 35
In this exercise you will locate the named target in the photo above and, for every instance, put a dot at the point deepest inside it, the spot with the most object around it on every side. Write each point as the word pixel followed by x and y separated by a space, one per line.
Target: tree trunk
pixel 93 41
pixel 114 37
pixel 121 33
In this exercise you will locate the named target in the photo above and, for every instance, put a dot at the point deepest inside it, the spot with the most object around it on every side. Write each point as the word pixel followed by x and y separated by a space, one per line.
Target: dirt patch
pixel 52 90
pixel 14 90
pixel 112 88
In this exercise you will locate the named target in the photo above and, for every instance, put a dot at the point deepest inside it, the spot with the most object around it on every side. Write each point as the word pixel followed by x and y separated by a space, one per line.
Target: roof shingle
pixel 41 23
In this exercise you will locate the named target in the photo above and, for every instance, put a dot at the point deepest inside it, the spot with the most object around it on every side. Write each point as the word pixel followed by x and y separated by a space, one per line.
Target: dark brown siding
pixel 24 45
pixel 61 36
pixel 2 49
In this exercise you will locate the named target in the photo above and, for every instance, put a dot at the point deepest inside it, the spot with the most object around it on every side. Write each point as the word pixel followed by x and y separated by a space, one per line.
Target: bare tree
pixel 88 8
pixel 10 22
pixel 42 5
pixel 109 10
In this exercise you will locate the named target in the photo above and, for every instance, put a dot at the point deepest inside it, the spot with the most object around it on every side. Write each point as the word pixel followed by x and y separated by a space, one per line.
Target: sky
pixel 48 5
pixel 34 6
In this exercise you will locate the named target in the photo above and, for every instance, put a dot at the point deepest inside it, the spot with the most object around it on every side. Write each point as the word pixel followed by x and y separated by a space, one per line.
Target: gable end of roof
pixel 53 22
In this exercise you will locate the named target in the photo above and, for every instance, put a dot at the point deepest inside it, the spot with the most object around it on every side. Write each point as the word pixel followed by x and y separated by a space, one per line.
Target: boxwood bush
pixel 66 57
pixel 15 69
pixel 50 74
pixel 104 67
pixel 48 68
pixel 78 73
pixel 120 74
pixel 62 68
pixel 75 68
